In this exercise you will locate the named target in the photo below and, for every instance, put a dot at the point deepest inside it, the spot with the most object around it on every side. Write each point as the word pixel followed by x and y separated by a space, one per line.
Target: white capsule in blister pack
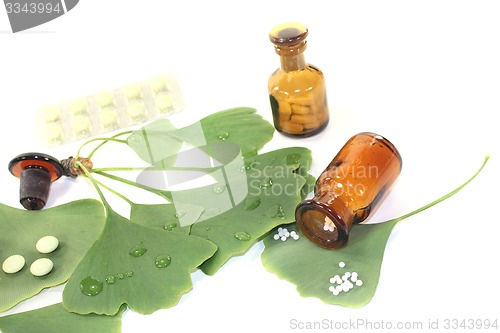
pixel 108 110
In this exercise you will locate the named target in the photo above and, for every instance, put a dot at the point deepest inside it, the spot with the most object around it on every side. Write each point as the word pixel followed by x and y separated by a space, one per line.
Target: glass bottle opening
pixel 321 225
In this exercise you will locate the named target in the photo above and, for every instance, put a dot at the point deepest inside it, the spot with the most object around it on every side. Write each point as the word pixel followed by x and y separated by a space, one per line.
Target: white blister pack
pixel 108 110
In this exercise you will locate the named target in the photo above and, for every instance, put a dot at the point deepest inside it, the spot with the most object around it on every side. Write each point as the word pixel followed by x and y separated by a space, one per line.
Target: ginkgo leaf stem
pixel 444 197
pixel 161 193
pixel 162 168
pixel 96 186
pixel 121 196
pixel 104 141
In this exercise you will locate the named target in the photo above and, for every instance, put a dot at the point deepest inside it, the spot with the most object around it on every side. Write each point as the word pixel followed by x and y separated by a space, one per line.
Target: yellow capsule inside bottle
pixel 349 189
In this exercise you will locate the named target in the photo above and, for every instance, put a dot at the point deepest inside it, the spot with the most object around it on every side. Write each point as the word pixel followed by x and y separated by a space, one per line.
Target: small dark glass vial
pixel 349 189
pixel 36 172
pixel 297 90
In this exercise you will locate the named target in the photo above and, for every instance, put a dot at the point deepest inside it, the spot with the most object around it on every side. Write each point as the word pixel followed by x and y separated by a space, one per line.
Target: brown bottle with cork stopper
pixel 297 89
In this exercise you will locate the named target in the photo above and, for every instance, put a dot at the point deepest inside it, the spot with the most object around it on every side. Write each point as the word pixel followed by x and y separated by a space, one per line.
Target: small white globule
pixel 345 283
pixel 283 234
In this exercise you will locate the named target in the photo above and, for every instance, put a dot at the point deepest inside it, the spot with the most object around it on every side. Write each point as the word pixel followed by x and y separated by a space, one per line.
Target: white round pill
pixel 47 244
pixel 13 264
pixel 341 264
pixel 41 267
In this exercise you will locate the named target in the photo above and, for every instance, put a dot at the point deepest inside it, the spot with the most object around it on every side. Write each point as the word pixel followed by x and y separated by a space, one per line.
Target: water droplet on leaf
pixel 250 164
pixel 170 226
pixel 219 188
pixel 163 261
pixel 242 236
pixel 266 183
pixel 293 159
pixel 120 276
pixel 275 211
pixel 223 136
pixel 251 203
pixel 137 251
pixel 90 286
pixel 136 138
pixel 180 213
pixel 129 274
pixel 110 279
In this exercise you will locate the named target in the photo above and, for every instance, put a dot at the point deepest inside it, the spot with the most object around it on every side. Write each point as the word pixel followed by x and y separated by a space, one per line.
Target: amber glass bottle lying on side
pixel 349 189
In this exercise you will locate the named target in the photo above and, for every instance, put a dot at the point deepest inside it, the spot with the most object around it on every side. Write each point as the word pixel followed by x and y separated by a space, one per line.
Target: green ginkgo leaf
pixel 248 198
pixel 76 225
pixel 242 126
pixel 311 268
pixel 155 141
pixel 274 189
pixel 55 319
pixel 244 203
pixel 146 268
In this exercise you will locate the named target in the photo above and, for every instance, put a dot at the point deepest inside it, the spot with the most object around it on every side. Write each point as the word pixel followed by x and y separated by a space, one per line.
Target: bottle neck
pixel 293 62
pixel 292 57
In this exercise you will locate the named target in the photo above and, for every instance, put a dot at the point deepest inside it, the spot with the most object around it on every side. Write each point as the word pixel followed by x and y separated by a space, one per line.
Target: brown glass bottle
pixel 349 189
pixel 297 89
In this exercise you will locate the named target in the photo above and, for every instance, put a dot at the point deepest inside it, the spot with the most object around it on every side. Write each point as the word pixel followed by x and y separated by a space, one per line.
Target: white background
pixel 424 74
